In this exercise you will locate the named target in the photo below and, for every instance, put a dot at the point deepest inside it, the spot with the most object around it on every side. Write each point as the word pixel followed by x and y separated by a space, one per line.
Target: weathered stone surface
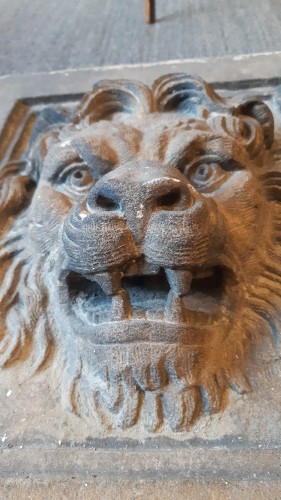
pixel 207 215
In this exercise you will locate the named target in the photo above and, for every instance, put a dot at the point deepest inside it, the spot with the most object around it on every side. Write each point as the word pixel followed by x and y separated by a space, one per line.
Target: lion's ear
pixel 16 188
pixel 188 94
pixel 109 97
pixel 17 178
pixel 260 112
pixel 49 119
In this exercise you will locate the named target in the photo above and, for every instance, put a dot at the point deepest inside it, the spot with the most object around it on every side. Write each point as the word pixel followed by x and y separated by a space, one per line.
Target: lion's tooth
pixel 139 267
pixel 149 268
pixel 175 309
pixel 203 273
pixel 110 283
pixel 179 280
pixel 121 306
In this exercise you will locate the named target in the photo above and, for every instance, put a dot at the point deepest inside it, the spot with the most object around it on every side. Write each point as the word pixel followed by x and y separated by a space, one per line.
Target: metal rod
pixel 150 11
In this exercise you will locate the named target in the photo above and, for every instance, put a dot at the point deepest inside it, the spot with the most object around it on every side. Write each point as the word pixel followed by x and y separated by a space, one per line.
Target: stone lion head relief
pixel 140 250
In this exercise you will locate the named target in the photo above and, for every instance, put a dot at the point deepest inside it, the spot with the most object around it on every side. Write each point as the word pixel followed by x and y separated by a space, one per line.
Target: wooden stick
pixel 150 11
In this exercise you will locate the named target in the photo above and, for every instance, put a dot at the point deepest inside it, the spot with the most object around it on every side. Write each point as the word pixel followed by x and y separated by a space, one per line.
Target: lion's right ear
pixel 16 188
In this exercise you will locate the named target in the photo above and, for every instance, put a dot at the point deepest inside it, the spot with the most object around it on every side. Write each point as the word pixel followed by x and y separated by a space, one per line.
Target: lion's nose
pixel 139 188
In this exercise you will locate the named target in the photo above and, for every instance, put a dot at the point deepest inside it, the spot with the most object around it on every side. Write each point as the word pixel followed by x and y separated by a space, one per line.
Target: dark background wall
pixel 45 35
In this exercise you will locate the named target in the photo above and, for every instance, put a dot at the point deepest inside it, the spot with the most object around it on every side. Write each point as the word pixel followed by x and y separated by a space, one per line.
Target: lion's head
pixel 140 248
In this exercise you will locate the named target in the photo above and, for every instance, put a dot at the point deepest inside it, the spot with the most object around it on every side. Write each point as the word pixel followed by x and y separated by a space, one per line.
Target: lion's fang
pixel 121 306
pixel 179 281
pixel 175 309
pixel 110 283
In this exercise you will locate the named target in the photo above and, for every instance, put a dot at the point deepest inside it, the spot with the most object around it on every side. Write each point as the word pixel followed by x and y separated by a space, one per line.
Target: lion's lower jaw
pixel 154 374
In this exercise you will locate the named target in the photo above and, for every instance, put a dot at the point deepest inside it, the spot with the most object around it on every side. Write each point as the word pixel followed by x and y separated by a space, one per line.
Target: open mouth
pixel 142 292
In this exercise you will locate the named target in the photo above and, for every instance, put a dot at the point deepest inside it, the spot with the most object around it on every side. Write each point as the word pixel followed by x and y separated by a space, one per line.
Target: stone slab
pixel 53 455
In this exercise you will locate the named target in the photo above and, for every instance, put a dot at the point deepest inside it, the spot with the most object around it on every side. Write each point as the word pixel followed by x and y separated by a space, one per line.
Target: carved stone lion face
pixel 143 250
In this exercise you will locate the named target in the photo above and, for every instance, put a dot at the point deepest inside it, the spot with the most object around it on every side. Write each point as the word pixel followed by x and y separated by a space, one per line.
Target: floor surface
pixel 59 34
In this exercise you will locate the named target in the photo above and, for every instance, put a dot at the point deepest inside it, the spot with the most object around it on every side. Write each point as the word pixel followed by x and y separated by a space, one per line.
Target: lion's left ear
pixel 260 112
pixel 16 188
pixel 49 119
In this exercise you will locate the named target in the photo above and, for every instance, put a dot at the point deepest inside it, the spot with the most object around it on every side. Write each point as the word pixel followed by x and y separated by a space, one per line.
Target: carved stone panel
pixel 140 262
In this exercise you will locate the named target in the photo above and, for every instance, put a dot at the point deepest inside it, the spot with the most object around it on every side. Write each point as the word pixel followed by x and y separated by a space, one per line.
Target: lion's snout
pixel 142 209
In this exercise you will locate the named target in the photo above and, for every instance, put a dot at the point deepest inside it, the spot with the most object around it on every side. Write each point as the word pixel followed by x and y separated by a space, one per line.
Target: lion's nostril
pixel 169 199
pixel 106 202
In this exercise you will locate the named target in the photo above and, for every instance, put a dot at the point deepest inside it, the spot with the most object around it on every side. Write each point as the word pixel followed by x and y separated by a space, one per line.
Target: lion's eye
pixel 75 180
pixel 79 178
pixel 206 176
